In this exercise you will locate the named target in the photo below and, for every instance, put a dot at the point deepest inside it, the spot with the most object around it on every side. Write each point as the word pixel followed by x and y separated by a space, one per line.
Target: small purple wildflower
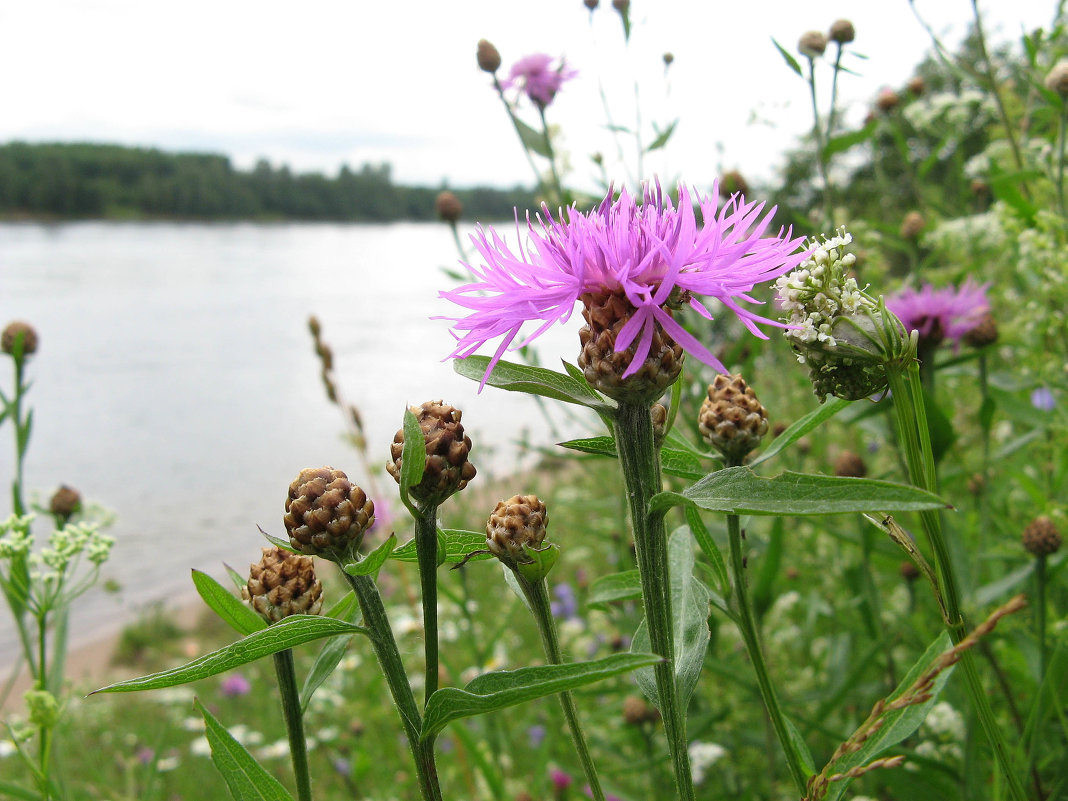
pixel 535 77
pixel 939 314
pixel 560 780
pixel 536 735
pixel 145 755
pixel 1043 400
pixel 650 253
pixel 565 606
pixel 234 685
pixel 342 766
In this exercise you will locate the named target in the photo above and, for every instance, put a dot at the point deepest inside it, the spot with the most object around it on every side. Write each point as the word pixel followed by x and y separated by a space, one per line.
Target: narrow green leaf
pixel 942 433
pixel 413 458
pixel 246 778
pixel 674 462
pixel 738 490
pixel 287 633
pixel 791 62
pixel 505 688
pixel 531 380
pixel 800 748
pixel 459 545
pixel 996 591
pixel 662 137
pixel 812 420
pixel 19 793
pixel 986 412
pixel 625 586
pixel 709 548
pixel 843 142
pixel 899 723
pixel 598 446
pixel 235 613
pixel 768 568
pixel 236 578
pixel 332 652
pixel 532 140
pixel 285 545
pixel 374 560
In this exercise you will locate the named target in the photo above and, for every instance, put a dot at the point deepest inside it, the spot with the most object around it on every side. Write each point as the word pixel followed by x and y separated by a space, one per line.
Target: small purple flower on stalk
pixel 645 258
pixel 940 314
pixel 234 685
pixel 535 77
pixel 1043 400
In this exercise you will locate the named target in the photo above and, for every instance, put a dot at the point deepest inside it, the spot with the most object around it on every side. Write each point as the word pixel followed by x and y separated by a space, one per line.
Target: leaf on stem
pixel 812 420
pixel 625 586
pixel 532 140
pixel 791 62
pixel 413 458
pixel 374 560
pixel 229 609
pixel 460 546
pixel 533 381
pixel 246 778
pixel 674 462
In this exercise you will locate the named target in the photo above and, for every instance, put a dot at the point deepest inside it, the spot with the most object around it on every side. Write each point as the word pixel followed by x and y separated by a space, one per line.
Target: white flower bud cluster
pixel 67 543
pixel 15 536
pixel 819 291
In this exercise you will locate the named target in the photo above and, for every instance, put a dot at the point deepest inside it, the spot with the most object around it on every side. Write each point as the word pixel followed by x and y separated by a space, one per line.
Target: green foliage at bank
pixel 83 180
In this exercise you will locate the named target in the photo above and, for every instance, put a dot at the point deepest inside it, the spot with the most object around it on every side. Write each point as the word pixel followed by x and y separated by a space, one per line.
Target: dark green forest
pixel 82 180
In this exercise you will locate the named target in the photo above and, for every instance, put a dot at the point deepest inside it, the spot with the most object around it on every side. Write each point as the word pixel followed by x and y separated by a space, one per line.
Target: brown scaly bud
pixel 283 584
pixel 669 59
pixel 977 484
pixel 842 31
pixel 732 182
pixel 606 314
pixel 637 711
pixel 731 419
pixel 326 355
pixel 12 332
pixel 909 571
pixel 447 468
pixel 489 59
pixel 984 333
pixel 659 415
pixel 887 101
pixel 1057 79
pixel 812 44
pixel 65 503
pixel 916 86
pixel 591 4
pixel 912 226
pixel 621 5
pixel 850 465
pixel 315 327
pixel 515 524
pixel 326 514
pixel 1041 537
pixel 448 206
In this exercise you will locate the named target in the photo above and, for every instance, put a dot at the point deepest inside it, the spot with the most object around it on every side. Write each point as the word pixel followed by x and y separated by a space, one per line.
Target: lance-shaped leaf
pixel 237 614
pixel 374 560
pixel 815 418
pixel 531 380
pixel 625 586
pixel 287 633
pixel 331 653
pixel 246 778
pixel 740 491
pixel 505 688
pixel 413 459
pixel 673 461
pixel 459 545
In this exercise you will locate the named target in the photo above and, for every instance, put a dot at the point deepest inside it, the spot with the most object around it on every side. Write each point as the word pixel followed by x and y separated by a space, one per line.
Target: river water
pixel 175 381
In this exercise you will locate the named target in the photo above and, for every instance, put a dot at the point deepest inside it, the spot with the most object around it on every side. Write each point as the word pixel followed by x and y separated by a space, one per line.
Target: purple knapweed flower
pixel 1043 400
pixel 535 76
pixel 235 685
pixel 649 253
pixel 941 314
pixel 560 780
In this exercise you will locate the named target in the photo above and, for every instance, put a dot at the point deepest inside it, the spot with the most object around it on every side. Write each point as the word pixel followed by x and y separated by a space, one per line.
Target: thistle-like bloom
pixel 654 255
pixel 940 314
pixel 535 76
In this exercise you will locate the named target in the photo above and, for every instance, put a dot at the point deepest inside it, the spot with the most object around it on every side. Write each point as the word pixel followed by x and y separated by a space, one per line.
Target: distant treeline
pixel 111 181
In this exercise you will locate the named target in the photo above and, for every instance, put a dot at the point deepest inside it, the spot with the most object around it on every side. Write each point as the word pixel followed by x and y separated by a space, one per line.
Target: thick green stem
pixel 426 549
pixel 298 747
pixel 747 626
pixel 385 646
pixel 538 598
pixel 914 439
pixel 641 474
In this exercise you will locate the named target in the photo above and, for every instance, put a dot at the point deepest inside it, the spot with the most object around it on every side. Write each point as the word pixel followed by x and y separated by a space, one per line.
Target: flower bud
pixel 515 533
pixel 658 413
pixel 15 331
pixel 669 59
pixel 909 571
pixel 283 584
pixel 65 503
pixel 447 469
pixel 850 465
pixel 1041 537
pixel 43 708
pixel 912 225
pixel 732 182
pixel 984 333
pixel 489 59
pixel 1057 79
pixel 731 419
pixel 448 206
pixel 842 31
pixel 812 44
pixel 887 101
pixel 637 711
pixel 326 515
pixel 916 86
pixel 591 4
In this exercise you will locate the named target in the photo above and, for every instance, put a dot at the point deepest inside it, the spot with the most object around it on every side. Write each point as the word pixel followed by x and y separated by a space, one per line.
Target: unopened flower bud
pixel 659 415
pixel 283 584
pixel 15 331
pixel 1057 79
pixel 448 206
pixel 1041 537
pixel 669 59
pixel 731 419
pixel 489 59
pixel 732 182
pixel 849 464
pixel 984 333
pixel 515 533
pixel 326 514
pixel 621 5
pixel 842 31
pixel 603 367
pixel 315 326
pixel 909 571
pixel 43 708
pixel 912 225
pixel 591 4
pixel 447 469
pixel 637 711
pixel 812 44
pixel 916 86
pixel 65 503
pixel 887 101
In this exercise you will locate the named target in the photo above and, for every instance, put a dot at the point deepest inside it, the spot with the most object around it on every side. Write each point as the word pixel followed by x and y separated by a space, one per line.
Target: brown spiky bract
pixel 326 514
pixel 283 584
pixel 731 419
pixel 11 333
pixel 1041 537
pixel 517 522
pixel 447 469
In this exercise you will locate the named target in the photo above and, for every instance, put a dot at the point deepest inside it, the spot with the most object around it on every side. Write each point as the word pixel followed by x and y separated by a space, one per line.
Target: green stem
pixel 298 747
pixel 1060 160
pixel 538 597
pixel 1040 614
pixel 20 451
pixel 641 474
pixel 914 438
pixel 385 647
pixel 817 134
pixel 747 626
pixel 552 155
pixel 426 549
pixel 519 133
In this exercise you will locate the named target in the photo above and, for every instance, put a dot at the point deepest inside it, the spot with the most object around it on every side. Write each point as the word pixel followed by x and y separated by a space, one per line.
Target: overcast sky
pixel 326 82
